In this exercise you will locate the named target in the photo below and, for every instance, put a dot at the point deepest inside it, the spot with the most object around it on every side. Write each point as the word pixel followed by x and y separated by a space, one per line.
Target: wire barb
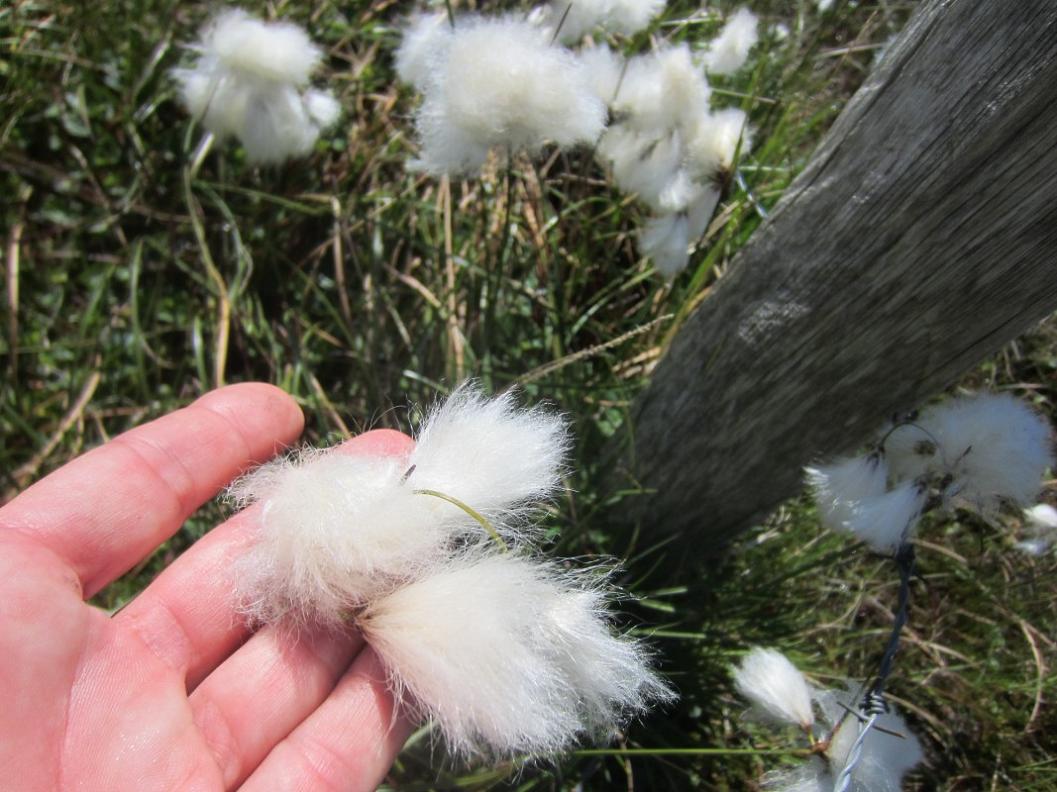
pixel 874 704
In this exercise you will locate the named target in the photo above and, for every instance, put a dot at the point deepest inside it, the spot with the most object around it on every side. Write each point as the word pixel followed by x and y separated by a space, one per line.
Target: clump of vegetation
pixel 364 289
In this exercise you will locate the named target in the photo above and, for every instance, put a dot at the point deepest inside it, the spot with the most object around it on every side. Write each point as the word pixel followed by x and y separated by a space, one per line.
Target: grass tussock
pixel 365 290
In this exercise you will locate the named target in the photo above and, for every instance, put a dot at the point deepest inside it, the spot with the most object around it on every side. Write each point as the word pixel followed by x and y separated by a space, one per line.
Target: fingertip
pixel 258 411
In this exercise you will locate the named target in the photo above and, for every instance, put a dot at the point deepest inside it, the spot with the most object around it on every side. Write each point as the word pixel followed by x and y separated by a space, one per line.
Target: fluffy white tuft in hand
pixel 890 751
pixel 490 454
pixel 713 141
pixel 775 687
pixel 424 45
pixel 885 521
pixel 509 656
pixel 728 52
pixel 993 447
pixel 500 83
pixel 249 80
pixel 616 16
pixel 336 530
pixel 839 486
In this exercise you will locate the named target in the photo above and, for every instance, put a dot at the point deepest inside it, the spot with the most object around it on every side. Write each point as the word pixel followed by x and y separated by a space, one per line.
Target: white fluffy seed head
pixel 775 687
pixel 993 447
pixel 491 455
pixel 1042 516
pixel 251 48
pixel 714 139
pixel 647 165
pixel 839 486
pixel 422 47
pixel 501 84
pixel 509 656
pixel 662 90
pixel 602 70
pixel 885 521
pixel 666 241
pixel 730 49
pixel 322 108
pixel 890 751
pixel 700 208
pixel 336 530
pixel 616 16
pixel 248 82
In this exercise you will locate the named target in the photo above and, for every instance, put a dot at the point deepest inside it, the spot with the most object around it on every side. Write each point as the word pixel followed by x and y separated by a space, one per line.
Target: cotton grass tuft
pixel 509 656
pixel 775 687
pixel 730 50
pixel 498 83
pixel 337 529
pixel 249 82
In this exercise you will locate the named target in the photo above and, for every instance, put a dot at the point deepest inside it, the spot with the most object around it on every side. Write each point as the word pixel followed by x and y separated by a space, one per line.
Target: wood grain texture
pixel 921 237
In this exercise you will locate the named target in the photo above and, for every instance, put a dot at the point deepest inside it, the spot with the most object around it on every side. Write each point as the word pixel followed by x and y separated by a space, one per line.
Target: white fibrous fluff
pixel 336 530
pixel 424 44
pixel 490 454
pixel 729 51
pixel 775 687
pixel 249 81
pixel 890 751
pixel 662 91
pixel 603 70
pixel 715 139
pixel 886 521
pixel 990 448
pixel 509 656
pixel 666 241
pixel 1042 516
pixel 500 84
pixel 646 165
pixel 813 776
pixel 615 16
pixel 839 486
pixel 1041 520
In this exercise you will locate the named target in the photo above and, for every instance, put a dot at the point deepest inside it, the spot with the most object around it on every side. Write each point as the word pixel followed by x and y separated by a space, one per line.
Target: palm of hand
pixel 173 692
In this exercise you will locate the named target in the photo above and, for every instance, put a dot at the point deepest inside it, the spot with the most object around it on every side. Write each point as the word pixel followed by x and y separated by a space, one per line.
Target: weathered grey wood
pixel 921 237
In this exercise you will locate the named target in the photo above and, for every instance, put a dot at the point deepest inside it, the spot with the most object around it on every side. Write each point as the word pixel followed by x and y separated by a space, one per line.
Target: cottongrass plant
pixel 432 556
pixel 504 84
pixel 570 21
pixel 250 80
pixel 1041 521
pixel 776 688
pixel 493 84
pixel 979 452
pixel 665 143
pixel 976 452
pixel 780 694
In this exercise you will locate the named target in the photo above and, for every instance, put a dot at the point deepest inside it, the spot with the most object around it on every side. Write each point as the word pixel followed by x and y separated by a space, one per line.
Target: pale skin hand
pixel 174 692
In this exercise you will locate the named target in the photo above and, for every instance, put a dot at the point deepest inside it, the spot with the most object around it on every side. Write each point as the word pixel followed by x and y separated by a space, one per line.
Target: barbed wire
pixel 873 704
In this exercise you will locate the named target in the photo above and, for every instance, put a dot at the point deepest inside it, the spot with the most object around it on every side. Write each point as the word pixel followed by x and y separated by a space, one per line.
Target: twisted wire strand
pixel 873 704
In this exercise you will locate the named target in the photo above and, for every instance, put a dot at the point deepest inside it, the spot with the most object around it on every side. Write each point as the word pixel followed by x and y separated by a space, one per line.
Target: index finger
pixel 106 510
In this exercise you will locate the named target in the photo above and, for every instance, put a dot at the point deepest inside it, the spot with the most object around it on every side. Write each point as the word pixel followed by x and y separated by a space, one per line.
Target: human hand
pixel 173 692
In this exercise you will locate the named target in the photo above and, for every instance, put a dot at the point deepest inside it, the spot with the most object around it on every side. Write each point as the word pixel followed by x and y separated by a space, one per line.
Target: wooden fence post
pixel 920 238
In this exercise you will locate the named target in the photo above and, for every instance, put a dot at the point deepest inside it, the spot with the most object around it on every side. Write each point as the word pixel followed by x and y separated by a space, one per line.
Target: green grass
pixel 130 290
